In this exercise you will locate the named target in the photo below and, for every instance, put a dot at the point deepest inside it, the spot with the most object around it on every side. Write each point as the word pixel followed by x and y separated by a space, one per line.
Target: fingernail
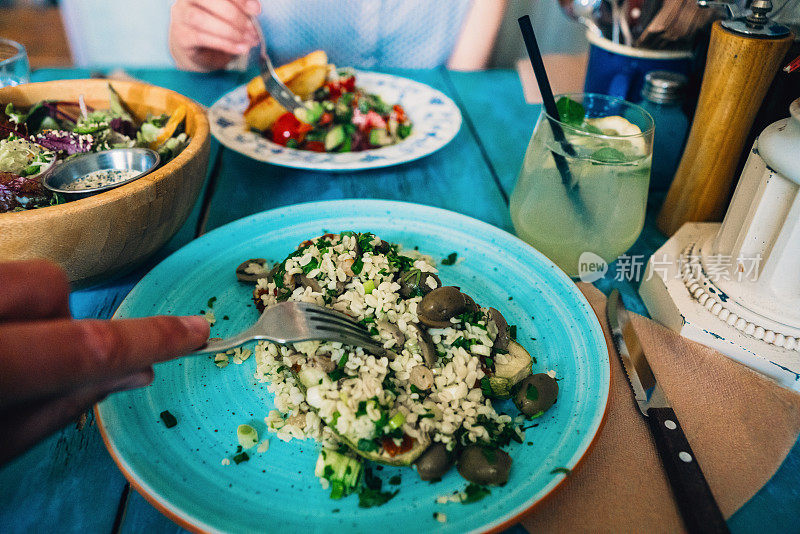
pixel 196 324
pixel 137 380
pixel 242 48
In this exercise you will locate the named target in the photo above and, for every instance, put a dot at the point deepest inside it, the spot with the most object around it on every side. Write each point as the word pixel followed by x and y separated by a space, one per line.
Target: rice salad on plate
pixel 427 400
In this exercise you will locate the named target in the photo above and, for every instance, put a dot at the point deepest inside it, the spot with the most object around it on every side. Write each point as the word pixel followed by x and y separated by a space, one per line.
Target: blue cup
pixel 618 70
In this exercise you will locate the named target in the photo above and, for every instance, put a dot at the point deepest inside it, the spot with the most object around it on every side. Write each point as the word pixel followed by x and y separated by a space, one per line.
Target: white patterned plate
pixel 436 121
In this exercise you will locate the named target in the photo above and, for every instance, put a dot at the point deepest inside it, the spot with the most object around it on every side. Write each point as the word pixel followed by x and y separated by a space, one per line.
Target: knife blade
pixel 695 501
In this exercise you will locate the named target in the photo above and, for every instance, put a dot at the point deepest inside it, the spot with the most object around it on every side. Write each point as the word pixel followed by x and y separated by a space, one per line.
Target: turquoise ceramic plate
pixel 180 469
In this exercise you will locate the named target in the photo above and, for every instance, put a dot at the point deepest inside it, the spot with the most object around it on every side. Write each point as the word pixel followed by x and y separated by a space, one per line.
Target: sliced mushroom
pixel 413 282
pixel 438 306
pixel 421 343
pixel 324 362
pixel 304 281
pixel 502 339
pixel 484 465
pixel 251 270
pixel 471 305
pixel 421 377
pixel 340 287
pixel 347 266
pixel 394 331
pixel 383 247
pixel 434 462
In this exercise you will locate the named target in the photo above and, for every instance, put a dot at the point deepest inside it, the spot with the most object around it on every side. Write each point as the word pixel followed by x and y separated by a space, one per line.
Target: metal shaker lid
pixel 663 87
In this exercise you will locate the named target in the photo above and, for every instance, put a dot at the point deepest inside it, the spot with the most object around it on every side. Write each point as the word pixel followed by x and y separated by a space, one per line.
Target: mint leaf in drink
pixel 589 128
pixel 570 112
pixel 608 155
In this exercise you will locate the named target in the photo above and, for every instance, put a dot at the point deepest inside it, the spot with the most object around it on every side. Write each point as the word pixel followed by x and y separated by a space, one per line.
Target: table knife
pixel 696 503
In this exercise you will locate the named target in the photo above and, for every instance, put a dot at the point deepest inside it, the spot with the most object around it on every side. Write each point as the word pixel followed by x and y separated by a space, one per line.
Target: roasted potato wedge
pixel 255 87
pixel 308 80
pixel 262 113
pixel 263 110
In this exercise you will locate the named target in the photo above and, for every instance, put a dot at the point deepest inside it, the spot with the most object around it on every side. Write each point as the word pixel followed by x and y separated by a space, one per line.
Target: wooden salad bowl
pixel 110 233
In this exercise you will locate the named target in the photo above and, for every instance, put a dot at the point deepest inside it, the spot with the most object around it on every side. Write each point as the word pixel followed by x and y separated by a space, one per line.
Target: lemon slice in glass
pixel 620 126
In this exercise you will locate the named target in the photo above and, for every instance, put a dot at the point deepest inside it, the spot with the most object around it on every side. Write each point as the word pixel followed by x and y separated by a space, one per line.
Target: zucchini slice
pixel 510 373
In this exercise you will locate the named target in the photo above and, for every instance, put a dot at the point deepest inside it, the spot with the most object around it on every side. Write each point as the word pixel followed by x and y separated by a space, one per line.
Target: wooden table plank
pixel 69 482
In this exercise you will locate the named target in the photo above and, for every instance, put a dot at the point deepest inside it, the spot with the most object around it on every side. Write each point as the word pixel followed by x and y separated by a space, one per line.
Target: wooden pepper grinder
pixel 743 56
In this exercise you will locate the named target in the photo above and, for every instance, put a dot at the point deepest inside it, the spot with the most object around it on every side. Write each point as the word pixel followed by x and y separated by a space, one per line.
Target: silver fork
pixel 275 87
pixel 293 322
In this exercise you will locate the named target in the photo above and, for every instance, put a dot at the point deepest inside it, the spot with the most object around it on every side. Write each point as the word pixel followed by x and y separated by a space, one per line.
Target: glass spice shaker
pixel 662 97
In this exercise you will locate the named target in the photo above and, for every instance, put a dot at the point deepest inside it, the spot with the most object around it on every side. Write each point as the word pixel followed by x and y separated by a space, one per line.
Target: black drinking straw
pixel 548 100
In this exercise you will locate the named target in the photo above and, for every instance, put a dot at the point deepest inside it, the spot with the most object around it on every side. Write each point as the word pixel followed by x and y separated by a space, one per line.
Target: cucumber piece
pixel 347 146
pixel 342 111
pixel 343 472
pixel 508 374
pixel 310 113
pixel 380 137
pixel 403 131
pixel 334 137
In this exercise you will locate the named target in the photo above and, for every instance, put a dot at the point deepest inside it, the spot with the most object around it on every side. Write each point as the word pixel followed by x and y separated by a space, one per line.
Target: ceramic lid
pixel 779 144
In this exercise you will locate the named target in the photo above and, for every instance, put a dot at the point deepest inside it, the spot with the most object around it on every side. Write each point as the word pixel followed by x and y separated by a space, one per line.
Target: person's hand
pixel 52 367
pixel 207 34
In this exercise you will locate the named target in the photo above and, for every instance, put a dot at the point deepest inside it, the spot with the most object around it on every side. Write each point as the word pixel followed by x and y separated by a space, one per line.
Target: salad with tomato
pixel 342 117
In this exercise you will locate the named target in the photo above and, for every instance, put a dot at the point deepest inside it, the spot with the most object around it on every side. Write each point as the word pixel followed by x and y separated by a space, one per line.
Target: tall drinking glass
pixel 583 184
pixel 14 66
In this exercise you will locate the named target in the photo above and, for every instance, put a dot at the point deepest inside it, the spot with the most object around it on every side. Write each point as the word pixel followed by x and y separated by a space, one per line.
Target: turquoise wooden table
pixel 68 483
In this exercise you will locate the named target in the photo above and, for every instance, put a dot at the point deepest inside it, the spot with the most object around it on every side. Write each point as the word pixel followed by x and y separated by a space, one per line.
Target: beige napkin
pixel 740 424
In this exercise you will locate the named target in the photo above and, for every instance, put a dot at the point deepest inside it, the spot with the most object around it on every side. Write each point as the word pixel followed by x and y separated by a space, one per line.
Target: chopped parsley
pixel 486 386
pixel 512 331
pixel 357 266
pixel 562 470
pixel 310 266
pixel 464 343
pixel 365 242
pixel 474 493
pixel 367 445
pixel 211 302
pixel 402 263
pixel 241 457
pixel 338 373
pixel 450 259
pixel 168 418
pixel 472 318
pixel 370 493
pixel 395 480
pixel 532 393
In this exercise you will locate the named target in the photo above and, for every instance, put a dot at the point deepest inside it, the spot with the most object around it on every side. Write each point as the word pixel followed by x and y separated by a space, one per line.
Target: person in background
pixel 54 367
pixel 208 34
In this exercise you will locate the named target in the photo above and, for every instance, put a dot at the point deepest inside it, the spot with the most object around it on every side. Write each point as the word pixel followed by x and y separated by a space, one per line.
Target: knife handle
pixel 695 501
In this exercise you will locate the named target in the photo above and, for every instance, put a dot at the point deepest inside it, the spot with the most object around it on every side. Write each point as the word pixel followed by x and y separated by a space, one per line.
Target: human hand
pixel 52 367
pixel 207 34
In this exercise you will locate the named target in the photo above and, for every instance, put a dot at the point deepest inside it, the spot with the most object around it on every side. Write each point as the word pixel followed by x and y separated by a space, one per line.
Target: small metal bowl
pixel 142 160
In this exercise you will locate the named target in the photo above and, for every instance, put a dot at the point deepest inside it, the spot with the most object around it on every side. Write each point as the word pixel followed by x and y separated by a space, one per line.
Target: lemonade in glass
pixel 583 184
